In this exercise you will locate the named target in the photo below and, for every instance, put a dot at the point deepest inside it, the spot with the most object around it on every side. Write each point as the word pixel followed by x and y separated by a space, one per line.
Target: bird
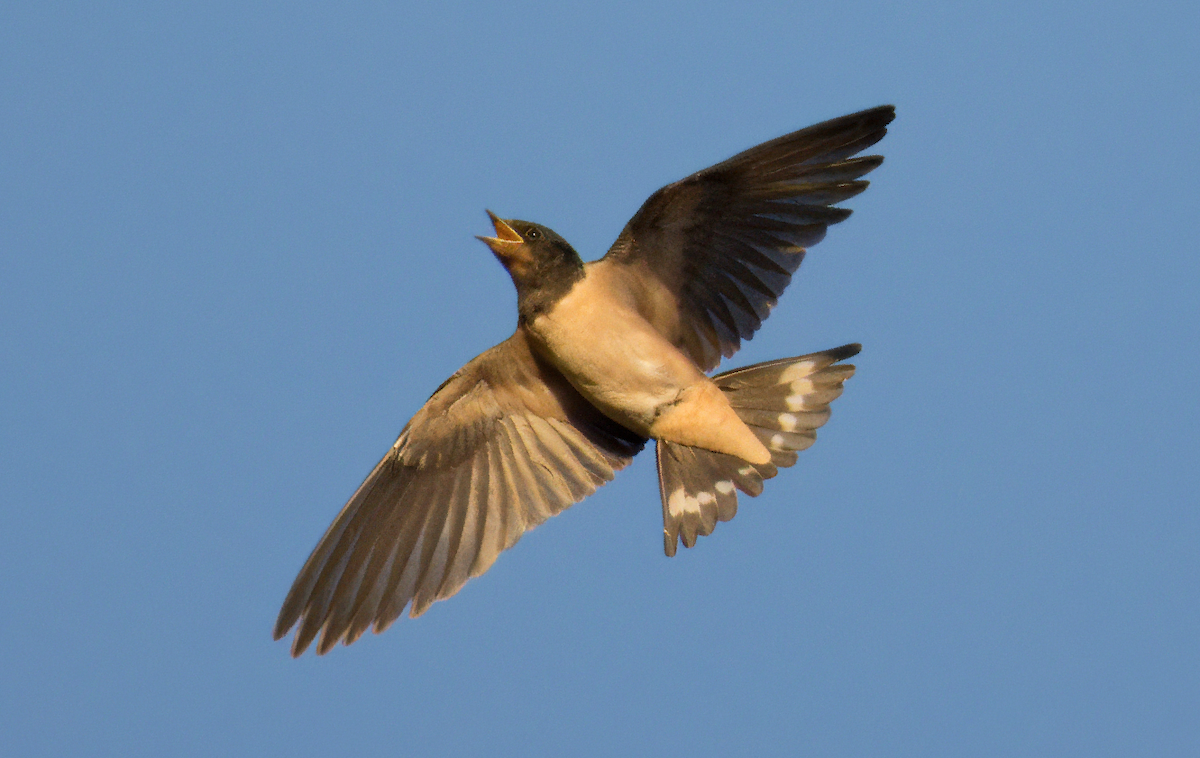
pixel 606 356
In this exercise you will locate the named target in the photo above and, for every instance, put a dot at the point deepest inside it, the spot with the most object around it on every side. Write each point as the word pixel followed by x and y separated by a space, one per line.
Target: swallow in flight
pixel 606 356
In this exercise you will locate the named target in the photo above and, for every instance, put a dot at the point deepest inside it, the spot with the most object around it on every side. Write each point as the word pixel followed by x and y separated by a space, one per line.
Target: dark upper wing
pixel 721 245
pixel 503 445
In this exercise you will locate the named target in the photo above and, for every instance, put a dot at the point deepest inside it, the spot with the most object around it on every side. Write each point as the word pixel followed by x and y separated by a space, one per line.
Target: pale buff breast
pixel 597 338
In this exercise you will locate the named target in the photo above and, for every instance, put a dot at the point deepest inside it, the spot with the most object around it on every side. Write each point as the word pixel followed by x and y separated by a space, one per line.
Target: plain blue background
pixel 236 254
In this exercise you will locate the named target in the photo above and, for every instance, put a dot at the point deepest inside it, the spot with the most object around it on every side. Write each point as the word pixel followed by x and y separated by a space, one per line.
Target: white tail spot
pixel 787 422
pixel 679 503
pixel 725 487
pixel 796 403
pixel 796 371
pixel 801 386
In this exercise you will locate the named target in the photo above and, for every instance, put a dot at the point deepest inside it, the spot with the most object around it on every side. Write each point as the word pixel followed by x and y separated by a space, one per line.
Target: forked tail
pixel 783 402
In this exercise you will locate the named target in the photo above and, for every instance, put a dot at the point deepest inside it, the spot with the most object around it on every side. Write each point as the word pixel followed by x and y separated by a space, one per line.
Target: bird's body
pixel 605 357
pixel 642 381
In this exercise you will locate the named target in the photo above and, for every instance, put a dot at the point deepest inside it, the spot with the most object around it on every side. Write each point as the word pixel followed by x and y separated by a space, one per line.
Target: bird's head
pixel 534 255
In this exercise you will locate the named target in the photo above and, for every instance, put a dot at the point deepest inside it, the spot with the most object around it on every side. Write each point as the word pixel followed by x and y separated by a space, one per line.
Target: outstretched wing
pixel 708 256
pixel 503 445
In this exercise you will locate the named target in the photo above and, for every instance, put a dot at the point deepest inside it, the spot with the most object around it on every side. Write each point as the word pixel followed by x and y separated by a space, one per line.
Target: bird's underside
pixel 606 356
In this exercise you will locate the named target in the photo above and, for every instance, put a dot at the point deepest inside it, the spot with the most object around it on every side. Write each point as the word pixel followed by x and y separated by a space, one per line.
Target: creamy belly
pixel 617 360
pixel 612 355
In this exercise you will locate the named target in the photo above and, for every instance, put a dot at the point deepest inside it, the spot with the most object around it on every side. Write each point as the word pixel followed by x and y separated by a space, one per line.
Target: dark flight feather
pixel 504 445
pixel 762 207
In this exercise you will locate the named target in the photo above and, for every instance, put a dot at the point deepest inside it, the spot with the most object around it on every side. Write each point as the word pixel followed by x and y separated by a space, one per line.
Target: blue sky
pixel 237 253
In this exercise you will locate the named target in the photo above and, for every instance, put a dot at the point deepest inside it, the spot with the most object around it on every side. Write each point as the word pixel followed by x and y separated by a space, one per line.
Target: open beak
pixel 507 244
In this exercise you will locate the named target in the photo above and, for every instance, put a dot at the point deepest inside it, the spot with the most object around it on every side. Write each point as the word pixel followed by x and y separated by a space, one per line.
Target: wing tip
pixel 886 111
pixel 845 351
pixel 863 122
pixel 880 116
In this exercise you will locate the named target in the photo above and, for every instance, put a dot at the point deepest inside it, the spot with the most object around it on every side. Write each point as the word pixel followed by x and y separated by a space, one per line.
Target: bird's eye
pixel 532 233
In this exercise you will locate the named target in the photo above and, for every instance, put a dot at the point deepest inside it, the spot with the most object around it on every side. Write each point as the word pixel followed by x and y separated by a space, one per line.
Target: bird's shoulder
pixel 507 380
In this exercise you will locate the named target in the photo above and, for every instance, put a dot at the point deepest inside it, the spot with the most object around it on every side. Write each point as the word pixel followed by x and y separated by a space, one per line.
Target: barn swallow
pixel 606 356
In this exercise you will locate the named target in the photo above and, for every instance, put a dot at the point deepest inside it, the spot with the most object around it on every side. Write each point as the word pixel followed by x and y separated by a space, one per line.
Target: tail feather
pixel 783 402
